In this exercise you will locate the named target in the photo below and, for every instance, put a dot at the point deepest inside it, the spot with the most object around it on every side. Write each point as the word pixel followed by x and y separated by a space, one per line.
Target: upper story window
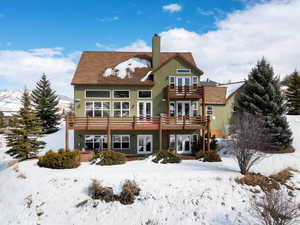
pixel 183 71
pixel 121 109
pixel 97 109
pixel 209 110
pixel 121 94
pixel 145 94
pixel 97 94
pixel 195 108
pixel 195 81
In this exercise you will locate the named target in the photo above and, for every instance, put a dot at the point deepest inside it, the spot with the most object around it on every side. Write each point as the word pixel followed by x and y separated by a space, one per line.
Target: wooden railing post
pixel 160 133
pixel 184 121
pixel 134 122
pixel 108 134
pixel 208 133
pixel 67 135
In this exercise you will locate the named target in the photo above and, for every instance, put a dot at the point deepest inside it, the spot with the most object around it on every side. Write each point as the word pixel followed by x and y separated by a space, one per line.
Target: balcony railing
pixel 179 92
pixel 137 123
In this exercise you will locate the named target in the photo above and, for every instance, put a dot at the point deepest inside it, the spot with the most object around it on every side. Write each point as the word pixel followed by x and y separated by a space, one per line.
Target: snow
pixel 231 88
pixel 126 68
pixel 146 76
pixel 191 192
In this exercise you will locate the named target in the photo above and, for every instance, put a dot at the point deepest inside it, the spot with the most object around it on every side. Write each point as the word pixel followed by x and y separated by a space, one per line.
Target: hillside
pixel 10 100
pixel 191 192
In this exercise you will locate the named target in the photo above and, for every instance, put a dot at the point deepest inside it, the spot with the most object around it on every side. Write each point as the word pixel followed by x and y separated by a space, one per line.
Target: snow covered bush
pixel 60 160
pixel 108 158
pixel 210 156
pixel 166 156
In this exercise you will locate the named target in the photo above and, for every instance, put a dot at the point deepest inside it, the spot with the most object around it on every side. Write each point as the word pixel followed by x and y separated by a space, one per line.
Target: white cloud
pixel 109 19
pixel 269 29
pixel 138 46
pixel 24 68
pixel 172 8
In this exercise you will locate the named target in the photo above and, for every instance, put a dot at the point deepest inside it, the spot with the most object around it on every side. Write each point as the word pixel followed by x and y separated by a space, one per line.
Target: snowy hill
pixel 191 192
pixel 10 100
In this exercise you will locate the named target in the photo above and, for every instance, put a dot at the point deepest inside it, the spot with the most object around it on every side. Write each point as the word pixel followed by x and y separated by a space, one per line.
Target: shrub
pixel 60 160
pixel 97 191
pixel 283 176
pixel 210 156
pixel 108 158
pixel 166 156
pixel 129 190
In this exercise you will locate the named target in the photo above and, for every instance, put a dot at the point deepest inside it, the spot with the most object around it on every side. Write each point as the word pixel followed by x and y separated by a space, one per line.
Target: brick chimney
pixel 155 51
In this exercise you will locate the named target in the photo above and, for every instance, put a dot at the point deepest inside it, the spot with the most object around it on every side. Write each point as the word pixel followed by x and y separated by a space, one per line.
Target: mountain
pixel 10 100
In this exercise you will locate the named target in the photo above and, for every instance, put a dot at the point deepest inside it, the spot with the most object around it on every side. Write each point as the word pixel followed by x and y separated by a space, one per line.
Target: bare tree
pixel 276 208
pixel 250 139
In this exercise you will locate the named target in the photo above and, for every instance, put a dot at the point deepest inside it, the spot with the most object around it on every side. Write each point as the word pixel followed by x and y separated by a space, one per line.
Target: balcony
pixel 137 123
pixel 184 92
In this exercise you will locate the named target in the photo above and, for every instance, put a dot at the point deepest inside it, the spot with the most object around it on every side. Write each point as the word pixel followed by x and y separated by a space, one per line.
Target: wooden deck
pixel 137 123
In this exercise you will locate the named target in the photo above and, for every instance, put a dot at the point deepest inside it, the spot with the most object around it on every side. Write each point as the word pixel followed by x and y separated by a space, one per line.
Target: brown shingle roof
pixel 215 95
pixel 93 64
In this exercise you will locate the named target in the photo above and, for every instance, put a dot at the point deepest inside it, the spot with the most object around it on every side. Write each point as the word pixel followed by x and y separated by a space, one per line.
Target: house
pixel 141 102
pixel 219 104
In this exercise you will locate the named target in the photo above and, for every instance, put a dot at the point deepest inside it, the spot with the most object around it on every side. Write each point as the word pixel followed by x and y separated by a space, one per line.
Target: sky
pixel 226 37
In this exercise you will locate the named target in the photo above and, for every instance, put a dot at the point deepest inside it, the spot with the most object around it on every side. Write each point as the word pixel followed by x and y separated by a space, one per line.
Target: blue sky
pixel 78 25
pixel 226 37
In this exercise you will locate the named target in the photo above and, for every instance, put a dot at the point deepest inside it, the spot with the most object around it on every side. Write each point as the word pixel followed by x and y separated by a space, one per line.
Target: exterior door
pixel 183 145
pixel 183 81
pixel 145 109
pixel 183 108
pixel 144 144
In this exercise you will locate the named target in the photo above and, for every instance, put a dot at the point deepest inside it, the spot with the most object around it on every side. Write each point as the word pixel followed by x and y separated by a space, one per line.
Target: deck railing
pixel 194 92
pixel 137 123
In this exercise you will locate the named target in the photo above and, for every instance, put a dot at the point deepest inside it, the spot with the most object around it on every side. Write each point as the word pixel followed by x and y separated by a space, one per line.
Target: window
pixel 172 81
pixel 121 94
pixel 195 81
pixel 95 142
pixel 121 141
pixel 183 71
pixel 97 94
pixel 172 141
pixel 97 109
pixel 145 94
pixel 144 144
pixel 194 108
pixel 121 109
pixel 209 110
pixel 172 108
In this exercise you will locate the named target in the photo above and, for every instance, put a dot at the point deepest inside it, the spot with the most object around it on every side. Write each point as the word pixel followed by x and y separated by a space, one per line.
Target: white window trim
pixel 121 98
pixel 197 107
pixel 197 80
pixel 95 135
pixel 176 80
pixel 144 136
pixel 190 105
pixel 110 107
pixel 177 140
pixel 190 71
pixel 121 108
pixel 138 94
pixel 138 108
pixel 98 90
pixel 122 135
pixel 170 80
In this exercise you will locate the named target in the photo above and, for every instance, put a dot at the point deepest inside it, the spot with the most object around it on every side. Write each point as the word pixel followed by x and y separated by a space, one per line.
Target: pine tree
pixel 261 95
pixel 293 94
pixel 1 119
pixel 45 102
pixel 23 141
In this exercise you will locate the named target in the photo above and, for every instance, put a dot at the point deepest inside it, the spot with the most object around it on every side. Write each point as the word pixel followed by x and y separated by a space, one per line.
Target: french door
pixel 144 144
pixel 183 81
pixel 183 144
pixel 144 109
pixel 183 108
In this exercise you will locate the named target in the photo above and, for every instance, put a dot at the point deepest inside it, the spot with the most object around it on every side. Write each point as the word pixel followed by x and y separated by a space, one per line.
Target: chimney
pixel 155 51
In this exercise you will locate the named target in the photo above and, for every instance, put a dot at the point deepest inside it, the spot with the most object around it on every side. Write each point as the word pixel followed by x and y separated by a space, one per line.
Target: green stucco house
pixel 141 102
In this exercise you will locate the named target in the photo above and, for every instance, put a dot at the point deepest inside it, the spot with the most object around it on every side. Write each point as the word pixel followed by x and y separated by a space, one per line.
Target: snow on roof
pixel 127 67
pixel 146 76
pixel 232 87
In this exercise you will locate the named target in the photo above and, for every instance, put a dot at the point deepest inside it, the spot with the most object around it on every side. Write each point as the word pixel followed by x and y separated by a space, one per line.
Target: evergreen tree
pixel 261 95
pixel 293 94
pixel 23 140
pixel 45 102
pixel 1 119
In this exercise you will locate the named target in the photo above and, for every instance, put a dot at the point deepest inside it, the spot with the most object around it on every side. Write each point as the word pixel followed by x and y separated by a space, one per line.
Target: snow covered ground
pixel 191 192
